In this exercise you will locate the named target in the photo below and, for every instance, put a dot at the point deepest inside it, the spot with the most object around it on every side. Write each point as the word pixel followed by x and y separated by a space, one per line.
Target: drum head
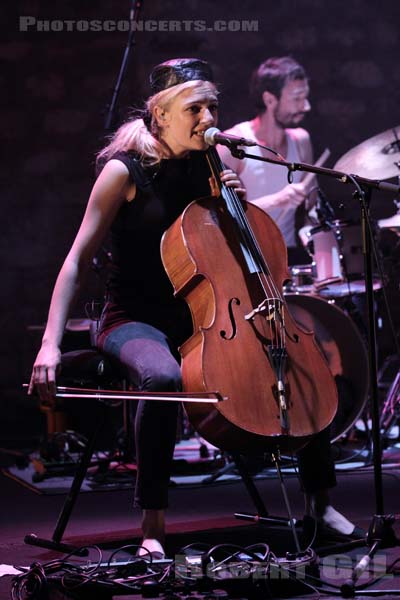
pixel 349 288
pixel 344 350
pixel 337 251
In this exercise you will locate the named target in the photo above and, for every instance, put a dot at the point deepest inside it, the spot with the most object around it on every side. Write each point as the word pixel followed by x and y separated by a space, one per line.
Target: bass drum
pixel 344 350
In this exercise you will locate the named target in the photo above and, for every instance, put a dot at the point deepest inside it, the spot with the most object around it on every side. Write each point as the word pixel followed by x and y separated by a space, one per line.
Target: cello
pixel 227 259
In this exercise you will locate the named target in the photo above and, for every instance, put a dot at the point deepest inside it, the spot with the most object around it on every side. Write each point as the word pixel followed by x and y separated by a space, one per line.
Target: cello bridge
pixel 270 307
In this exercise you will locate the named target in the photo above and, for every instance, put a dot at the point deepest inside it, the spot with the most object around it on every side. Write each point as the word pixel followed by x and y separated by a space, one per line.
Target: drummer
pixel 280 90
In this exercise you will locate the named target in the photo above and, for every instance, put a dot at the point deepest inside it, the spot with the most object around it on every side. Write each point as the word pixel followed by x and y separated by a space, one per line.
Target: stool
pixel 87 368
pixel 90 369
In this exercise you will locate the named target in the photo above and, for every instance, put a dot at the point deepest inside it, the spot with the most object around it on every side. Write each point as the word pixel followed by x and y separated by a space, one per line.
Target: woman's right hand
pixel 44 373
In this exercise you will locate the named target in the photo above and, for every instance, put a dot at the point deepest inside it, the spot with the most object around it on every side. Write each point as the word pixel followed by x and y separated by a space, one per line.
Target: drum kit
pixel 318 292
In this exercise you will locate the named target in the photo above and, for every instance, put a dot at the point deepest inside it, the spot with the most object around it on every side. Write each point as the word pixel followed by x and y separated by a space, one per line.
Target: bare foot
pixel 319 507
pixel 152 547
pixel 335 520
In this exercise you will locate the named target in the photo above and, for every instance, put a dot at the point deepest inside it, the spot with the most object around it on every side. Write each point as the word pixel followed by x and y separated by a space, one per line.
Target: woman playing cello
pixel 151 170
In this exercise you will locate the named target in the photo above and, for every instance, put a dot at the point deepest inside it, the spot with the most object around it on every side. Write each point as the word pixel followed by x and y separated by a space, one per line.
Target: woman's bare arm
pixel 109 192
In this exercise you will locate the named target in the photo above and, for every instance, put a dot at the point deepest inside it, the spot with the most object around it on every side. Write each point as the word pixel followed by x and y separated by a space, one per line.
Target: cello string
pixel 272 294
pixel 232 200
pixel 272 299
pixel 244 224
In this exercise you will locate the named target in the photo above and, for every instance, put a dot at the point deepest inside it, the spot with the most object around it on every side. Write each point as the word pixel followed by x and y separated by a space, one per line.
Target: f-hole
pixel 232 320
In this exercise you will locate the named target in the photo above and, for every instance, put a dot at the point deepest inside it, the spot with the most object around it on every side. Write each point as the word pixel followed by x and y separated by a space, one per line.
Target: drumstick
pixel 318 163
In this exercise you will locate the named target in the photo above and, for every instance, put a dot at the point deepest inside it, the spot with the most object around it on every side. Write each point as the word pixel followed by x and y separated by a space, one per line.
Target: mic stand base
pixel 380 535
pixel 262 516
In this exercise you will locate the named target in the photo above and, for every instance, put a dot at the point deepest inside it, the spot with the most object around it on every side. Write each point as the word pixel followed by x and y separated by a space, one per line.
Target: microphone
pixel 214 136
pixel 325 209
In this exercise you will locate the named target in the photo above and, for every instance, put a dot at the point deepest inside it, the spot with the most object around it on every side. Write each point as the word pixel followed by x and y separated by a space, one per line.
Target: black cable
pixel 293 576
pixel 390 567
pixel 260 544
pixel 73 554
pixel 226 548
pixel 361 589
pixel 194 545
pixel 271 150
pixel 32 582
pixel 136 547
pixel 352 456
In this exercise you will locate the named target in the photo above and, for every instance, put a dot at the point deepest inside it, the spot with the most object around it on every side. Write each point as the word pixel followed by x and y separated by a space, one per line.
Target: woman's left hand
pixel 231 179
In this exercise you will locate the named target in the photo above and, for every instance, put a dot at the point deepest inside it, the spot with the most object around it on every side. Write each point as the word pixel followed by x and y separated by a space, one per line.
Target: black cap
pixel 179 70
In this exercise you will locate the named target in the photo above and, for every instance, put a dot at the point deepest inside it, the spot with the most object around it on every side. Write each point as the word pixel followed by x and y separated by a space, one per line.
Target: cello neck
pixel 249 245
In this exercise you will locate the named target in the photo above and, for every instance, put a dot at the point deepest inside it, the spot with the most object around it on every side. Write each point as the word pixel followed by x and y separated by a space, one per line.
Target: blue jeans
pixel 148 363
pixel 147 360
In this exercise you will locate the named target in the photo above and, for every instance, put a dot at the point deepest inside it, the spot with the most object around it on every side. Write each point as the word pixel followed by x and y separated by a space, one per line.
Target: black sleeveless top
pixel 138 288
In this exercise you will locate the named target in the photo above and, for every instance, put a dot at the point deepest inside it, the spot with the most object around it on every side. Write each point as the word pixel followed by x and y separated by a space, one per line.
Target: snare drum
pixel 339 261
pixel 337 251
pixel 348 288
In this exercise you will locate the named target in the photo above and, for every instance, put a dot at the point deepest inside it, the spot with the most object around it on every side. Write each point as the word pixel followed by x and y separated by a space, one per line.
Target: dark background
pixel 55 89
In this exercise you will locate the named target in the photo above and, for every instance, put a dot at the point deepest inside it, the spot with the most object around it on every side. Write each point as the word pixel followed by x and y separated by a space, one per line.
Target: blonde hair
pixel 134 135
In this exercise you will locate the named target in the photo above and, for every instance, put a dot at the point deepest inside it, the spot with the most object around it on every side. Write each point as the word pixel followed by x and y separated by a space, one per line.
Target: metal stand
pixel 380 533
pixel 228 468
pixel 70 501
pixel 134 12
pixel 262 515
pixel 391 409
pixel 104 396
pixel 364 187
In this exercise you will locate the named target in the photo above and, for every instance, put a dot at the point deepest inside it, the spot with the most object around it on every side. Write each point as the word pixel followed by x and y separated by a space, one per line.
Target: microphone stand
pixel 325 211
pixel 380 532
pixel 136 5
pixel 299 166
pixel 109 124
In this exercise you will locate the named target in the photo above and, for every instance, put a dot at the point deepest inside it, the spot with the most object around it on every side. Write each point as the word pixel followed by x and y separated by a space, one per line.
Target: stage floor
pixel 197 512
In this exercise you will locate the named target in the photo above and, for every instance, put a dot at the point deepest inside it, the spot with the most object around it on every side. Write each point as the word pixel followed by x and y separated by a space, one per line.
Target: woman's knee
pixel 150 364
pixel 165 377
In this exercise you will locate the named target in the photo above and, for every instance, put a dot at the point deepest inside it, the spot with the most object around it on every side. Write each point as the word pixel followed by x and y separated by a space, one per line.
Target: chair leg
pixel 69 503
pixel 250 486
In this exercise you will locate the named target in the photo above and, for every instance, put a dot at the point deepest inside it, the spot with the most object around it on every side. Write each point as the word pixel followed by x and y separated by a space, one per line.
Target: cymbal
pixel 375 158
